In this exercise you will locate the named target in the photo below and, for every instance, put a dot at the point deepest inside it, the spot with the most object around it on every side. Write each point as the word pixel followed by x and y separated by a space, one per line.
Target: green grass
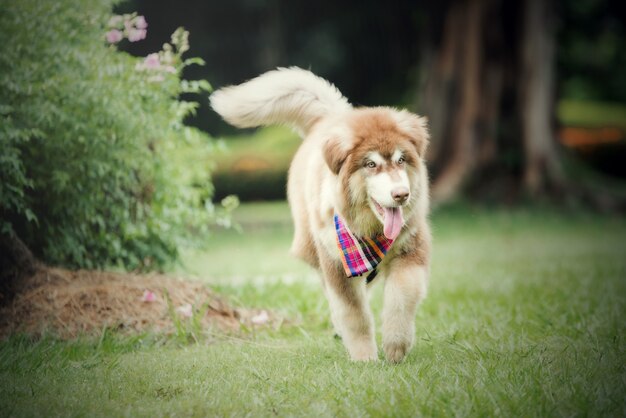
pixel 592 114
pixel 254 165
pixel 274 145
pixel 525 317
pixel 258 251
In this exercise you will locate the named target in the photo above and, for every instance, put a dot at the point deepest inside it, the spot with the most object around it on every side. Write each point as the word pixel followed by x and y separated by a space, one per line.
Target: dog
pixel 359 196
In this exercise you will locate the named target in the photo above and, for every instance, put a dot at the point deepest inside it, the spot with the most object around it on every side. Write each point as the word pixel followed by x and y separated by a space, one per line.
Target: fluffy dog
pixel 358 191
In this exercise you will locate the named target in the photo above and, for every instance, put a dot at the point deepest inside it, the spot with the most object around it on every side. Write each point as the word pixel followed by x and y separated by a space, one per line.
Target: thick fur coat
pixel 364 164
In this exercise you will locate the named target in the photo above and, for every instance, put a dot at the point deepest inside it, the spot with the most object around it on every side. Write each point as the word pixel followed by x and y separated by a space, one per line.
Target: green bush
pixel 87 134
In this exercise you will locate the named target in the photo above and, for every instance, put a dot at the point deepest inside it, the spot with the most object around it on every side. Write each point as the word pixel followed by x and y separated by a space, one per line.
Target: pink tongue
pixel 393 222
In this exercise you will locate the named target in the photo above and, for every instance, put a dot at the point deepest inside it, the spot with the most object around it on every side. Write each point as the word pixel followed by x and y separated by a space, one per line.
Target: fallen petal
pixel 148 296
pixel 185 310
pixel 260 318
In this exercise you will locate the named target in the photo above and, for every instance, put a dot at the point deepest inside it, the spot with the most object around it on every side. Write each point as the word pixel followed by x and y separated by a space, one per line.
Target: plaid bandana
pixel 359 255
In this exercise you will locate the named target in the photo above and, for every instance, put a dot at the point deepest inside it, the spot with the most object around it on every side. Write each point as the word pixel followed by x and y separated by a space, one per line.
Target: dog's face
pixel 379 163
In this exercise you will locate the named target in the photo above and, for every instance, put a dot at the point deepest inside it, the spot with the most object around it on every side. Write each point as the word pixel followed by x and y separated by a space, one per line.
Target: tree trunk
pixel 271 51
pixel 16 263
pixel 461 52
pixel 542 167
pixel 489 94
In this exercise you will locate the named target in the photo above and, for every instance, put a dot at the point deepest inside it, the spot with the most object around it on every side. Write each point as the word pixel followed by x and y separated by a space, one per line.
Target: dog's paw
pixel 396 351
pixel 363 352
pixel 364 357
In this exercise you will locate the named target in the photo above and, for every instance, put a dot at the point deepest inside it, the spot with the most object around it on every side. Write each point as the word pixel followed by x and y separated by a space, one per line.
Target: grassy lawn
pixel 257 253
pixel 525 317
pixel 274 145
pixel 591 114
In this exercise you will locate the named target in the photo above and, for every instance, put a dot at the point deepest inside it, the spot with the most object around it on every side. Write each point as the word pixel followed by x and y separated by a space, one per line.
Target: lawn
pixel 591 114
pixel 525 317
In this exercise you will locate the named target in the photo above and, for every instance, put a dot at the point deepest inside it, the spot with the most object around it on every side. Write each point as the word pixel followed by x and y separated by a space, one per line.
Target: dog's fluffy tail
pixel 287 96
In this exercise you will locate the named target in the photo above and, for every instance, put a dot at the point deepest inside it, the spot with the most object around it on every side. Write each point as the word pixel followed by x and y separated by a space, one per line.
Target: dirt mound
pixel 69 303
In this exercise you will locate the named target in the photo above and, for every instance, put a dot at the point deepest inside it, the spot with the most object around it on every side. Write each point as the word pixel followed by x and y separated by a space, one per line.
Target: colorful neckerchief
pixel 359 255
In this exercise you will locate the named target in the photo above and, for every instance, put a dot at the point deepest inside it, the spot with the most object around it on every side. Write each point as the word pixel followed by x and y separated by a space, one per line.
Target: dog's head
pixel 378 156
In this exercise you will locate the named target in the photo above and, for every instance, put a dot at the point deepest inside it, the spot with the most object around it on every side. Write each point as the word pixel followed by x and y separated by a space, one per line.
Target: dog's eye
pixel 370 164
pixel 401 160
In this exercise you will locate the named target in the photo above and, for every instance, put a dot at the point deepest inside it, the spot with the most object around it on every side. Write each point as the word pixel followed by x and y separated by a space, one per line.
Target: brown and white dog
pixel 365 165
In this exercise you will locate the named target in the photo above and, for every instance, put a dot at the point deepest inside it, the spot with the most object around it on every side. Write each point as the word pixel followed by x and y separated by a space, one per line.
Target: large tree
pixel 489 92
pixel 488 86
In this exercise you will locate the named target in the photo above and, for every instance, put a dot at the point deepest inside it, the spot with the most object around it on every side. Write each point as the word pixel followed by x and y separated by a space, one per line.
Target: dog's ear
pixel 416 128
pixel 336 152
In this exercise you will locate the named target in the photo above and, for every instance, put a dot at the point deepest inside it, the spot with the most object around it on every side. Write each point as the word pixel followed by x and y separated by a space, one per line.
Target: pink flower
pixel 185 310
pixel 169 69
pixel 140 22
pixel 114 36
pixel 148 296
pixel 135 35
pixel 151 62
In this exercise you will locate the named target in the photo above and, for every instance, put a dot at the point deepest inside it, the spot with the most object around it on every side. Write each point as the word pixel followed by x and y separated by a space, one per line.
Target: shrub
pixel 89 136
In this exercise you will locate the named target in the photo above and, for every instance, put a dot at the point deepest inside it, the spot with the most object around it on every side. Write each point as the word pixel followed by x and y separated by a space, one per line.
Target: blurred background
pixel 111 155
pixel 112 163
pixel 525 99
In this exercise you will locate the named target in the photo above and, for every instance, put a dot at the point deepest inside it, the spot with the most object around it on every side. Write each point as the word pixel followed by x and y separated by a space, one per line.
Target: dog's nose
pixel 400 194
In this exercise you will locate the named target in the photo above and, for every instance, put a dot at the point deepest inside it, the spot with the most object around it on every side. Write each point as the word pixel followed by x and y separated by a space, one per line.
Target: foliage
pixel 591 38
pixel 86 132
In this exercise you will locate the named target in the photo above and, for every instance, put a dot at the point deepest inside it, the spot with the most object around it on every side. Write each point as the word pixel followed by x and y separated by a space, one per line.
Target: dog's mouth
pixel 391 218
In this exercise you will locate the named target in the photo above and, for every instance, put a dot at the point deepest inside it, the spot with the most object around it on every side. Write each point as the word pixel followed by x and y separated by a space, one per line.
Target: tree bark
pixel 542 168
pixel 489 94
pixel 271 51
pixel 463 31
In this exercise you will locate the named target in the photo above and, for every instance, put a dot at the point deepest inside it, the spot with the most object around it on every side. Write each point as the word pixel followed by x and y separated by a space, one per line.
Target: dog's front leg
pixel 405 287
pixel 350 310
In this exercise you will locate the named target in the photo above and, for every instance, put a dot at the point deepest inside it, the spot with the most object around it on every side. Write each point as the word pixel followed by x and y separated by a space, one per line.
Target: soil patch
pixel 71 303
